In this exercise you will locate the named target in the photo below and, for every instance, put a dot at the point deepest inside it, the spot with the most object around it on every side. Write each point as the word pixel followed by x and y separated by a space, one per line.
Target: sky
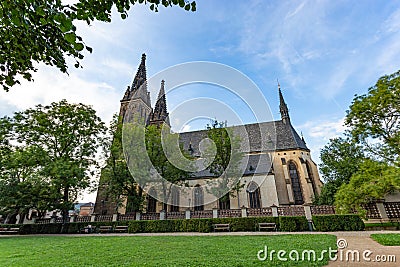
pixel 322 52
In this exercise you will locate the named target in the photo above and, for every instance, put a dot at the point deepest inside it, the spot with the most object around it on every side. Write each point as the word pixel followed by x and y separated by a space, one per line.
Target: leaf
pixel 89 49
pixel 70 37
pixel 79 46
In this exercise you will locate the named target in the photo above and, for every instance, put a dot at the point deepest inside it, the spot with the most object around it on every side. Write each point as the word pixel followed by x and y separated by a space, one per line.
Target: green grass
pixel 157 250
pixel 387 239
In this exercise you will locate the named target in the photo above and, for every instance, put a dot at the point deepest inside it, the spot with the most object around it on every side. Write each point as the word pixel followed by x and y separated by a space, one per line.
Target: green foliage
pixel 330 223
pixel 340 160
pixel 44 31
pixel 387 239
pixel 52 161
pixel 115 175
pixel 374 119
pixel 372 181
pixel 293 224
pixel 226 161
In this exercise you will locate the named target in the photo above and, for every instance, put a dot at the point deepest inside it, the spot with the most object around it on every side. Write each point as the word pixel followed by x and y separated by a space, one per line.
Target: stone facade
pixel 279 168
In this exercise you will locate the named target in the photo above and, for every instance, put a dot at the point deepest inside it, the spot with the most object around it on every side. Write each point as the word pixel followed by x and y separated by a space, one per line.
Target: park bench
pixel 267 226
pixel 221 226
pixel 105 229
pixel 121 229
pixel 9 230
pixel 88 229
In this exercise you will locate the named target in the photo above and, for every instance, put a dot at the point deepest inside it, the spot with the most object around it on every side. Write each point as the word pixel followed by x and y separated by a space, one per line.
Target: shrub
pixel 293 224
pixel 350 222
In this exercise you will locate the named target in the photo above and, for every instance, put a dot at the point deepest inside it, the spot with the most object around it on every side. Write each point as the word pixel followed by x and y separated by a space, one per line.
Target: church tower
pixel 136 105
pixel 160 114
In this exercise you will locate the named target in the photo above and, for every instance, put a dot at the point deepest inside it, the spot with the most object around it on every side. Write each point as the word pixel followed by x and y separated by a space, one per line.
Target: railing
pixel 392 209
pixel 234 213
pixel 104 218
pixel 127 217
pixel 291 211
pixel 43 221
pixel 372 211
pixel 320 210
pixel 202 214
pixel 172 215
pixel 83 219
pixel 263 212
pixel 150 216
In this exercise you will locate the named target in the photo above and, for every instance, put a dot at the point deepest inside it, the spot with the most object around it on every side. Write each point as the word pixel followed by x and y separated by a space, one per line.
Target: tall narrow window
pixel 311 176
pixel 295 179
pixel 253 192
pixel 151 201
pixel 198 198
pixel 175 199
pixel 224 202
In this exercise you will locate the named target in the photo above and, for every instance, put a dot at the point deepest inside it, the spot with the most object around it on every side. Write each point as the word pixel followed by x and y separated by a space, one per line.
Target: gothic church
pixel 280 174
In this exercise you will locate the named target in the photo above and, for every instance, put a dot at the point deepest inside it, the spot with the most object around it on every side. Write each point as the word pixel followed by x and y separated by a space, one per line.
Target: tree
pixel 44 31
pixel 121 185
pixel 68 137
pixel 21 187
pixel 226 164
pixel 340 159
pixel 374 180
pixel 163 149
pixel 374 119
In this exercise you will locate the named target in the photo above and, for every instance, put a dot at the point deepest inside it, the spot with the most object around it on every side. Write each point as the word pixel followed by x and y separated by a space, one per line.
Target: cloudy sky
pixel 322 52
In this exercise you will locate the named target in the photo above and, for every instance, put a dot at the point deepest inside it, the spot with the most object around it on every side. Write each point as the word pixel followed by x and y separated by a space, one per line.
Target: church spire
pixel 283 107
pixel 140 77
pixel 160 114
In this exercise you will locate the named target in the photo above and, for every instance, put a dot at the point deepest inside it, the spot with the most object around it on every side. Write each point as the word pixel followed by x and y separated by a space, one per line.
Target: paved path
pixel 362 243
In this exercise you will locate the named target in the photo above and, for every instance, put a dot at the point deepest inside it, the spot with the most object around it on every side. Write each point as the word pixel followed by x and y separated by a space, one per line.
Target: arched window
pixel 311 176
pixel 175 199
pixel 198 198
pixel 151 201
pixel 224 202
pixel 253 192
pixel 295 179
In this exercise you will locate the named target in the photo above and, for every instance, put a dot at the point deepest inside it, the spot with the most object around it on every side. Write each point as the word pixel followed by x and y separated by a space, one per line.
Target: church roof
pixel 277 135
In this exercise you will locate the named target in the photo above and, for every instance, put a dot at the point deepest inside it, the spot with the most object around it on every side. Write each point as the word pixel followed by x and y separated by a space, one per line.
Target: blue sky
pixel 322 52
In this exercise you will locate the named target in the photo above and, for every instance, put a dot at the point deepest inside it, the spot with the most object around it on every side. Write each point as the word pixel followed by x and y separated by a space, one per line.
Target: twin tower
pixel 136 101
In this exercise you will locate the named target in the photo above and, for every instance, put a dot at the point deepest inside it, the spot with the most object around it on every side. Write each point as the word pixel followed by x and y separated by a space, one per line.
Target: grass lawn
pixel 158 250
pixel 387 239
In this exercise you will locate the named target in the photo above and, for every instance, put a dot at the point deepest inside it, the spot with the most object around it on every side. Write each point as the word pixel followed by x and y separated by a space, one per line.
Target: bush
pixel 293 224
pixel 197 225
pixel 350 222
pixel 58 228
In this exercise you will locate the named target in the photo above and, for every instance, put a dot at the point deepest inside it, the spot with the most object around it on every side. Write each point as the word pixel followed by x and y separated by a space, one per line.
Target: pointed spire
pixel 160 114
pixel 140 77
pixel 302 137
pixel 283 107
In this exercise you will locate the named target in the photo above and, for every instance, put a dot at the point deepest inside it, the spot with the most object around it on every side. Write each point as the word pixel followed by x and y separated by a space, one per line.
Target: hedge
pixel 350 222
pixel 322 223
pixel 57 228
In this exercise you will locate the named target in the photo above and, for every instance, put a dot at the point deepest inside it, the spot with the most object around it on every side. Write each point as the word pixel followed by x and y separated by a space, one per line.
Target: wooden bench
pixel 221 226
pixel 105 229
pixel 88 230
pixel 121 229
pixel 267 226
pixel 9 230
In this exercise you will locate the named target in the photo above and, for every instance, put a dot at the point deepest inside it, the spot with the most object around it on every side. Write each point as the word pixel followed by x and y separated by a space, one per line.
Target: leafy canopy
pixel 374 119
pixel 44 31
